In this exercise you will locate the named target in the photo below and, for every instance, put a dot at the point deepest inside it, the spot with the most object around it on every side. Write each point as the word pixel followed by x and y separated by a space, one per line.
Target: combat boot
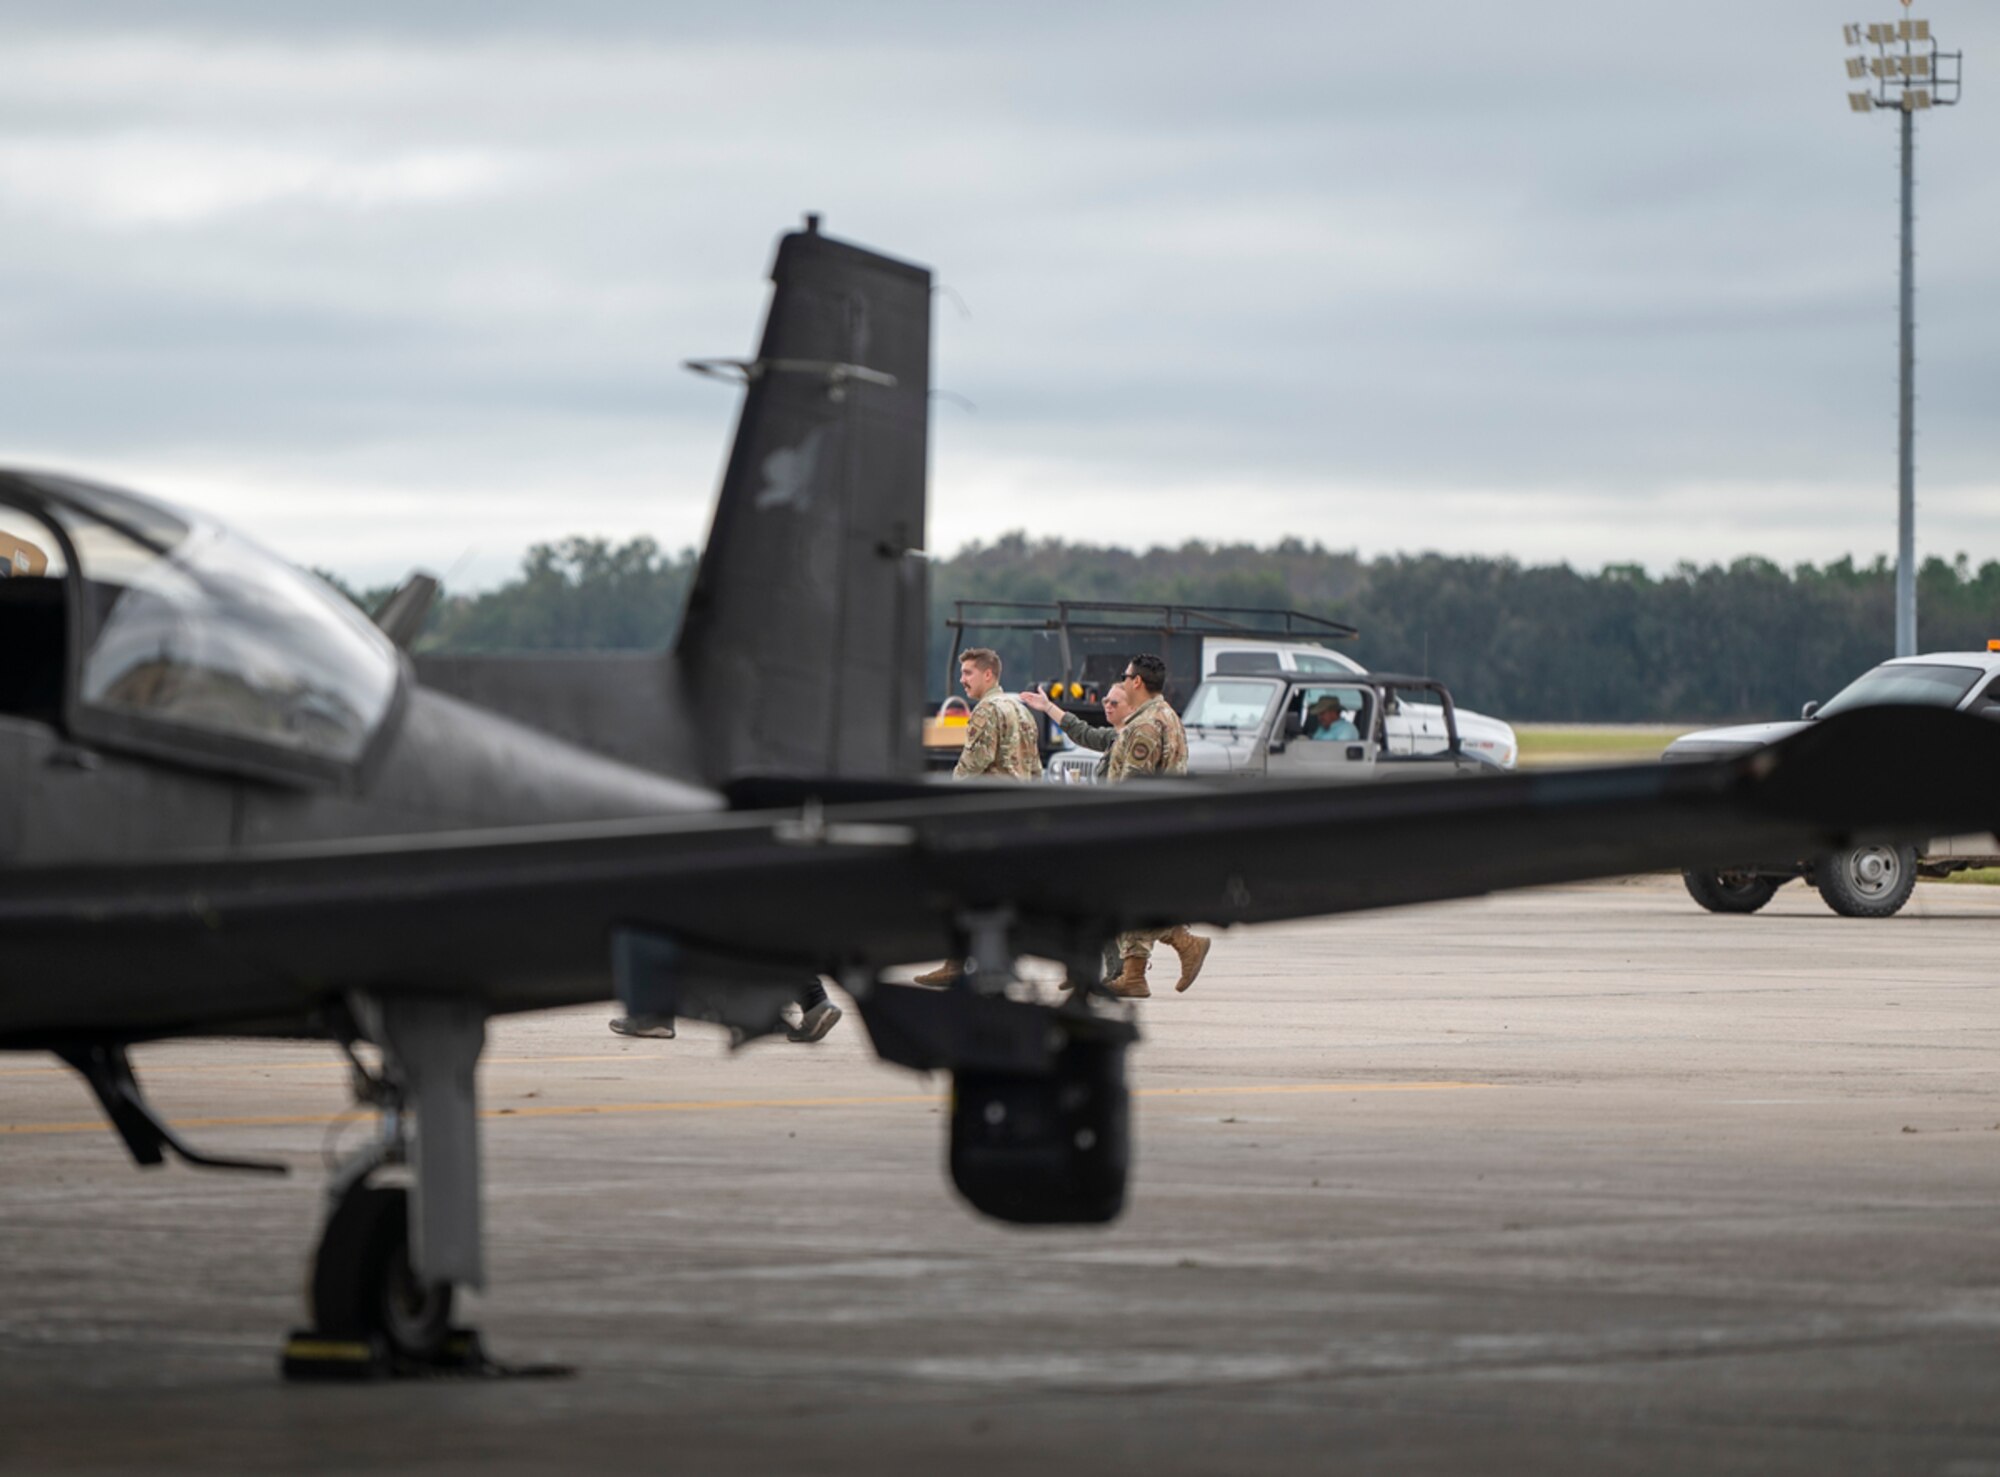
pixel 946 973
pixel 1193 949
pixel 1131 983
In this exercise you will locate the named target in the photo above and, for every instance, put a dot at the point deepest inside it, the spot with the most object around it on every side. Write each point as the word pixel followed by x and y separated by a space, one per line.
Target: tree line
pixel 1550 643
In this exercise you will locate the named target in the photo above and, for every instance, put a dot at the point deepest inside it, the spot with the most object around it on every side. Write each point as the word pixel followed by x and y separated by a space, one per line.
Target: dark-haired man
pixel 1151 742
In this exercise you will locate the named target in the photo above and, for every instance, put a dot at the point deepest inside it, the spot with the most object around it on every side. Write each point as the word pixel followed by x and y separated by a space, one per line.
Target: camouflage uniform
pixel 1000 741
pixel 1151 742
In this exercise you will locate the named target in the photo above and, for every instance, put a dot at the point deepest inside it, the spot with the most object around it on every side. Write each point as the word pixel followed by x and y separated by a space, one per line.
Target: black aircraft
pixel 229 804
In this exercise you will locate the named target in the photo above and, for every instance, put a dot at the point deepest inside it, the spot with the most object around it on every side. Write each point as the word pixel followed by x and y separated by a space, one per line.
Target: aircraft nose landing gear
pixel 392 1255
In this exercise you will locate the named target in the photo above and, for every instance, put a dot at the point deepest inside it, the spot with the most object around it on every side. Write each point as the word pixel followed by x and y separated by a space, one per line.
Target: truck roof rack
pixel 1094 627
pixel 1118 615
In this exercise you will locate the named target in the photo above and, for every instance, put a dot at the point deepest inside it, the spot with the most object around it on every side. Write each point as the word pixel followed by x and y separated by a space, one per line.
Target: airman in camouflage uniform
pixel 1151 742
pixel 1000 739
pixel 1001 742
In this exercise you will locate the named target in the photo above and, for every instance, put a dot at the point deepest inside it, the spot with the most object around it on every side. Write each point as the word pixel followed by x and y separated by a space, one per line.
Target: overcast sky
pixel 396 285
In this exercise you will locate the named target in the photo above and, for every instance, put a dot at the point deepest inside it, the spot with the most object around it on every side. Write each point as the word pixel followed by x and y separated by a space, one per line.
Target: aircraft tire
pixel 1869 881
pixel 1730 892
pixel 363 1287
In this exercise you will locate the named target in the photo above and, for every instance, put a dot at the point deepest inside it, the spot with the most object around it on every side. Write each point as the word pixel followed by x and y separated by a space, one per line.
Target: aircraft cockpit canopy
pixel 195 630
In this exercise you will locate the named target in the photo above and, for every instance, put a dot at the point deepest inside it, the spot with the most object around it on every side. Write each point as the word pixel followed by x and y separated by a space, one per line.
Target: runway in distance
pixel 231 805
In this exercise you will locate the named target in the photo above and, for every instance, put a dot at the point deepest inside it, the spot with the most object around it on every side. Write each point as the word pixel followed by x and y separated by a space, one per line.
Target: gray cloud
pixel 1596 282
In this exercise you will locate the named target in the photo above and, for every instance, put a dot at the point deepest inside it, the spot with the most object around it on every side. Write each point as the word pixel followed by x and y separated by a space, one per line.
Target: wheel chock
pixel 311 1355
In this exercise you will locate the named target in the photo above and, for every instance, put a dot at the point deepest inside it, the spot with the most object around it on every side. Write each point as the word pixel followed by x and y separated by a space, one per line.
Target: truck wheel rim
pixel 1873 871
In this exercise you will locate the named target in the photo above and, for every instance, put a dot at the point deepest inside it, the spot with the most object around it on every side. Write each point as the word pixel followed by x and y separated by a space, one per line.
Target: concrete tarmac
pixel 1580 1180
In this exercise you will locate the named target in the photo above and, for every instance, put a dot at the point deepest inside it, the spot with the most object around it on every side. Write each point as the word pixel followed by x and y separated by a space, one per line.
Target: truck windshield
pixel 1228 705
pixel 1921 685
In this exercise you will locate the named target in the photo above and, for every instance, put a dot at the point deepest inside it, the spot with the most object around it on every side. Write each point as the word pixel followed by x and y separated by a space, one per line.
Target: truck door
pixel 1324 733
pixel 1414 727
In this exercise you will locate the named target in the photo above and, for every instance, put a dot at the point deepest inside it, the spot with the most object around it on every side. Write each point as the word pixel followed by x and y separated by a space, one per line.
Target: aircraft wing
pixel 521 919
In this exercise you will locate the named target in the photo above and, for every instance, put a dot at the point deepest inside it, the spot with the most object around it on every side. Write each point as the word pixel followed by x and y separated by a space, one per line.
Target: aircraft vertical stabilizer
pixel 802 650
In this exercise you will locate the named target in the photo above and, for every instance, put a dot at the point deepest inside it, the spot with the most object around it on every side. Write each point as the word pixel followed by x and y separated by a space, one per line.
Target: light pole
pixel 1909 74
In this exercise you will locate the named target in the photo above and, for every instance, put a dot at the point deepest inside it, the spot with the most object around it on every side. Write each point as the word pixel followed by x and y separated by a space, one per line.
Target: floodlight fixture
pixel 1911 76
pixel 1906 59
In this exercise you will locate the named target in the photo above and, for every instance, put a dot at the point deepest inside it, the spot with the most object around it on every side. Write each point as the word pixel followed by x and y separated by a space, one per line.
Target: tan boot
pixel 1131 984
pixel 1193 949
pixel 946 973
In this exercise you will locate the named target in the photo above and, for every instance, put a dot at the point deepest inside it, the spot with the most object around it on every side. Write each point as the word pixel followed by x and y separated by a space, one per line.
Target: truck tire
pixel 1869 881
pixel 1730 892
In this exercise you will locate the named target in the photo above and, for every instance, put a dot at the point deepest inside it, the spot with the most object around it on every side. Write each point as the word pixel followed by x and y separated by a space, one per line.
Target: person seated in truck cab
pixel 1328 720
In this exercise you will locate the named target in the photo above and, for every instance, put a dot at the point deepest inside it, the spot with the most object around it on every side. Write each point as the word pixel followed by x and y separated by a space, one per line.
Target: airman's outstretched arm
pixel 1082 734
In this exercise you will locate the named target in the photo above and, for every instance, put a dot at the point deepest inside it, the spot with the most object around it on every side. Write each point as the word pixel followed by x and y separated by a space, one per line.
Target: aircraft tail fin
pixel 802 648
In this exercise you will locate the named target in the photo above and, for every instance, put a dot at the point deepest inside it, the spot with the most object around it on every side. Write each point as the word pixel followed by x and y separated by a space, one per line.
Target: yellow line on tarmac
pixel 274 1121
pixel 332 1063
pixel 1312 1087
pixel 541 1111
pixel 714 1105
pixel 581 1110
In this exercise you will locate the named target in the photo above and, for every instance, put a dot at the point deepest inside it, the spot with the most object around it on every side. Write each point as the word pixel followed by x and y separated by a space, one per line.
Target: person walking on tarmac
pixel 817 1016
pixel 1000 743
pixel 1117 708
pixel 1151 742
pixel 1000 737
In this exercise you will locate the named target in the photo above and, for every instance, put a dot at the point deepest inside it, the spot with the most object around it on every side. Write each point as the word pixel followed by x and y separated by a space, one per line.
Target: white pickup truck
pixel 1868 881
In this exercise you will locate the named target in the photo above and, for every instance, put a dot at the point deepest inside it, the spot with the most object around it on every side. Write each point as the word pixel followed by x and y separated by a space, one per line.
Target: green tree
pixel 1531 642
